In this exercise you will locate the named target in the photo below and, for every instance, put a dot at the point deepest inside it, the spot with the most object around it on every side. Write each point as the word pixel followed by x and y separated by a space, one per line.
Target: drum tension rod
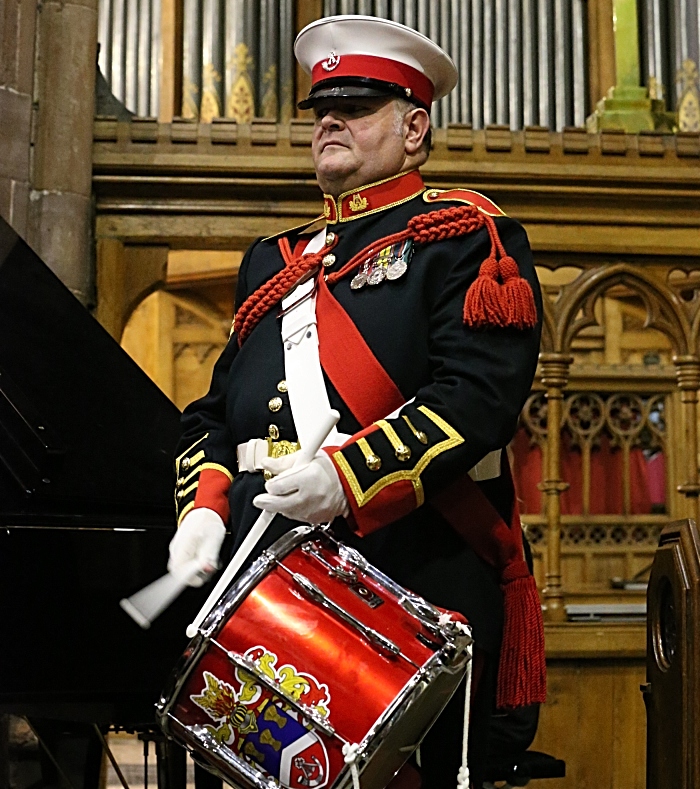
pixel 349 577
pixel 370 634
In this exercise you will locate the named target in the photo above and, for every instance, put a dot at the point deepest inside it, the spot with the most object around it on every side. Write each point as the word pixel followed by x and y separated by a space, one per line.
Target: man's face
pixel 356 142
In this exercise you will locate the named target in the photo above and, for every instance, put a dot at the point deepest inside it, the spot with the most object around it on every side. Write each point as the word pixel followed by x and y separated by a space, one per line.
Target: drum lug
pixel 348 577
pixel 345 575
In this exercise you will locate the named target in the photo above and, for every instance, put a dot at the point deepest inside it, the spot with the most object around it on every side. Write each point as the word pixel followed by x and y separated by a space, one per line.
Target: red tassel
pixel 517 295
pixel 522 670
pixel 484 303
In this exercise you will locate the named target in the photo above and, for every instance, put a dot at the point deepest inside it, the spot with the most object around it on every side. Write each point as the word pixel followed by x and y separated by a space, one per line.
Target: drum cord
pixel 350 753
pixel 463 774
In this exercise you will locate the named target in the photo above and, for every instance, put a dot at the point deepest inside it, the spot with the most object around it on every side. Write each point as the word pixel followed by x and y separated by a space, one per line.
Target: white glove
pixel 278 465
pixel 311 493
pixel 199 538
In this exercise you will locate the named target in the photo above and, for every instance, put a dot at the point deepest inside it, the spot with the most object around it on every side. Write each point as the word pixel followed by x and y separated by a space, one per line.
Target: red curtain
pixel 647 478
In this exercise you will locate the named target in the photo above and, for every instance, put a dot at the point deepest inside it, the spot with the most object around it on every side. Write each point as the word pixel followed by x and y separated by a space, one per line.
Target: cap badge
pixel 332 62
pixel 357 203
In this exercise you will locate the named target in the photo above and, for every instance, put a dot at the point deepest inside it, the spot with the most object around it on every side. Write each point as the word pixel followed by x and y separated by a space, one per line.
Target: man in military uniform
pixel 424 325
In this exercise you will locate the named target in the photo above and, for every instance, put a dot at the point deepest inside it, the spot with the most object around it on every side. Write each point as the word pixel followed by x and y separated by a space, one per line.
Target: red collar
pixel 373 197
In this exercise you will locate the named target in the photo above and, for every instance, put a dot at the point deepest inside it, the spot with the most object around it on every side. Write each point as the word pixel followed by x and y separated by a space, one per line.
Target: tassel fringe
pixel 521 671
pixel 490 303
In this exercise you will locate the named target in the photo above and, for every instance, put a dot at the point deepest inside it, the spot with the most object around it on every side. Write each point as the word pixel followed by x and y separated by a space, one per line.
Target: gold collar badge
pixel 358 203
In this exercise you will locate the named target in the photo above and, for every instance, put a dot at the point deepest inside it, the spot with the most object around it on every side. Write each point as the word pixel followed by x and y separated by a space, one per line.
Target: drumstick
pixel 148 603
pixel 302 458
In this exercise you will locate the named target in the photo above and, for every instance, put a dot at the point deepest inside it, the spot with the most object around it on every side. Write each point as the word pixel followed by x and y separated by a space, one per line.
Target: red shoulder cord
pixel 276 288
pixel 498 297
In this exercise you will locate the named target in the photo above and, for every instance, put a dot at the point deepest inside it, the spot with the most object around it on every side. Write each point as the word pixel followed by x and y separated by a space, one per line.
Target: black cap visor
pixel 352 87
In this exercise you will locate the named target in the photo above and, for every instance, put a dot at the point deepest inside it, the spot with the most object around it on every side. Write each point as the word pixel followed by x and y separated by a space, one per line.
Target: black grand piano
pixel 86 514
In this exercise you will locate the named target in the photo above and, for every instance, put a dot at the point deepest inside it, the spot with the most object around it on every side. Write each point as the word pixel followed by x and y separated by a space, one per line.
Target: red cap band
pixel 383 69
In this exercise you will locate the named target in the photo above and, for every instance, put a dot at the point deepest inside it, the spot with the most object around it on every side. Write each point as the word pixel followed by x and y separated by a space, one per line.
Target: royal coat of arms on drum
pixel 262 727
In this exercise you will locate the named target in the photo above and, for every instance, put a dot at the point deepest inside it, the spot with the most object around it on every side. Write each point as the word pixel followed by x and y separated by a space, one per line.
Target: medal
pixel 396 269
pixel 376 276
pixel 358 281
pixel 391 263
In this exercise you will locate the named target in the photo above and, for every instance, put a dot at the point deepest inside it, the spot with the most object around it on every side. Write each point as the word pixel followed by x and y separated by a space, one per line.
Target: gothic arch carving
pixel 665 310
pixel 548 325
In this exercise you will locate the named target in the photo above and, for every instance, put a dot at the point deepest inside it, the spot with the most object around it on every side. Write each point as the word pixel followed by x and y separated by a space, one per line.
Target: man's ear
pixel 417 126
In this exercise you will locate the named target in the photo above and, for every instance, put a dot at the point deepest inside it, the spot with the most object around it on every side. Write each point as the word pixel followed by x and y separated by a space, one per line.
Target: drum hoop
pixel 206 741
pixel 416 686
pixel 233 596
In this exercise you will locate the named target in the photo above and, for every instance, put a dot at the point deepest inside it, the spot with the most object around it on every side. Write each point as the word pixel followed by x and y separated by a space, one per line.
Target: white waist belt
pixel 251 453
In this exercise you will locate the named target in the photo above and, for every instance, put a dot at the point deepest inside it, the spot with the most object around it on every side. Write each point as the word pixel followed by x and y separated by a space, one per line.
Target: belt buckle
pixel 278 449
pixel 281 312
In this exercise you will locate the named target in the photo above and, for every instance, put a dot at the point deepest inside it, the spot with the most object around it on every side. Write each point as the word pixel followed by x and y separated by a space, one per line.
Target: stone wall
pixel 47 97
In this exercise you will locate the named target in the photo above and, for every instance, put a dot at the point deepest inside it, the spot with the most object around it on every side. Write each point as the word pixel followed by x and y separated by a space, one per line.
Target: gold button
pixel 373 462
pixel 328 260
pixel 282 386
pixel 180 482
pixel 180 494
pixel 275 404
pixel 330 238
pixel 403 452
pixel 274 432
pixel 185 464
pixel 433 194
pixel 267 475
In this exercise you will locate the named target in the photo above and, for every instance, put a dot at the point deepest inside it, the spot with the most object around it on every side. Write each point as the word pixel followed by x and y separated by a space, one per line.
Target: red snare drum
pixel 311 650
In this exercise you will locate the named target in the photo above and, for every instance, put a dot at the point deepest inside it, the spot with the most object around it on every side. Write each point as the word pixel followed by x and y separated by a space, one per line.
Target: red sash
pixel 360 380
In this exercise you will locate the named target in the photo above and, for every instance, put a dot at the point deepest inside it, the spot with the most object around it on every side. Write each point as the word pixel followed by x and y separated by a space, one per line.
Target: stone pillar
pixel 555 375
pixel 17 32
pixel 60 220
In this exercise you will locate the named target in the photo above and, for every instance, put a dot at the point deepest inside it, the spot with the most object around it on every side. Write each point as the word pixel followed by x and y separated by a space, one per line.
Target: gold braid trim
pixel 363 497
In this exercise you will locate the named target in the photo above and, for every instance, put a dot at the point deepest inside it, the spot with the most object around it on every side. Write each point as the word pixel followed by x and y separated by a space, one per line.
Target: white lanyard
pixel 308 398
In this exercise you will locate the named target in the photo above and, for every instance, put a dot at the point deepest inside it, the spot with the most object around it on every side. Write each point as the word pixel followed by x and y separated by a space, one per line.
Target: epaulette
pixel 306 228
pixel 463 196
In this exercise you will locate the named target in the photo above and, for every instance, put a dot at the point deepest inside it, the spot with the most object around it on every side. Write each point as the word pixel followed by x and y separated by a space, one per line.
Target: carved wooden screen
pixel 613 459
pixel 619 375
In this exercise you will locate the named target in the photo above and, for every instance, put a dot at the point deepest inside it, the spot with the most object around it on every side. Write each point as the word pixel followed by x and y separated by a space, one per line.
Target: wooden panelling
pixel 594 717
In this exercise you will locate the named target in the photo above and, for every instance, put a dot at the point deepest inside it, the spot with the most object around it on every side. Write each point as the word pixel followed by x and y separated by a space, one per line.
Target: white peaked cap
pixel 367 50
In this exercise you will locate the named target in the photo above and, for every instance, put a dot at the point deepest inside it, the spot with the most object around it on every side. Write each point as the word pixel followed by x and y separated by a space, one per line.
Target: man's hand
pixel 310 494
pixel 199 537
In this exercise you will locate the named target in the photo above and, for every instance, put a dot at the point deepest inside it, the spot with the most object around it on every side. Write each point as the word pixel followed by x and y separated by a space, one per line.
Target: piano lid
pixel 85 435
